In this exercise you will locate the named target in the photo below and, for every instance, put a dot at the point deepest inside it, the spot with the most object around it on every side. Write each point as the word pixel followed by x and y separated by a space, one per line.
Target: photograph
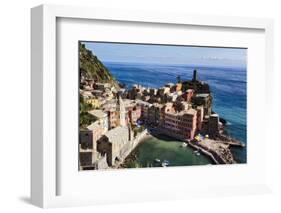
pixel 161 105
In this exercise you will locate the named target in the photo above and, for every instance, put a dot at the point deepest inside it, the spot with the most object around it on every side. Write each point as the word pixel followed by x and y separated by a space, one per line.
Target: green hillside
pixel 92 68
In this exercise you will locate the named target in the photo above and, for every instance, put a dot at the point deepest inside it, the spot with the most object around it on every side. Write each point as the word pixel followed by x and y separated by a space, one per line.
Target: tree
pixel 85 117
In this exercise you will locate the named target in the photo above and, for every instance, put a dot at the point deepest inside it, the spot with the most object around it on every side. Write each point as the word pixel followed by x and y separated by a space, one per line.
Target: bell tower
pixel 120 108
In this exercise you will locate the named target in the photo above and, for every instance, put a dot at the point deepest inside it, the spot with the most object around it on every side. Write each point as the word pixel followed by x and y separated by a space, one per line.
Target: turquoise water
pixel 228 86
pixel 168 149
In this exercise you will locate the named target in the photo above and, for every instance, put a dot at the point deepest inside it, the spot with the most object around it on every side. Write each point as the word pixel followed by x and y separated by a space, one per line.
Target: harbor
pixel 154 151
pixel 173 123
pixel 160 150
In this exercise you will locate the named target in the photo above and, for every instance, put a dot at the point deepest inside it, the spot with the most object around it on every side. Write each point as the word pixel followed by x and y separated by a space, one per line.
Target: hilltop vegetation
pixel 92 68
pixel 85 117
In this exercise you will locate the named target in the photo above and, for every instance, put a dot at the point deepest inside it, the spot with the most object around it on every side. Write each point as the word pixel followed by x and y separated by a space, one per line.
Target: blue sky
pixel 166 54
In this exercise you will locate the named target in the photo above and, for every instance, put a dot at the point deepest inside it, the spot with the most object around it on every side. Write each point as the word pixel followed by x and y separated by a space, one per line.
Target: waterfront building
pixel 205 100
pixel 155 114
pixel 134 114
pixel 151 115
pixel 144 108
pixel 159 115
pixel 214 125
pixel 182 124
pixel 115 144
pixel 200 117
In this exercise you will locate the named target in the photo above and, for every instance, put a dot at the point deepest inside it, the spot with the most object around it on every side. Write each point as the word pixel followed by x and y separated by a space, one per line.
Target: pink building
pixel 134 114
pixel 200 117
pixel 181 125
pixel 88 144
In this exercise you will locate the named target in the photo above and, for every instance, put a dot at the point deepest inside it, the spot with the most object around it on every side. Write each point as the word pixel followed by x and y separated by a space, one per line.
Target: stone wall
pixel 131 145
pixel 101 163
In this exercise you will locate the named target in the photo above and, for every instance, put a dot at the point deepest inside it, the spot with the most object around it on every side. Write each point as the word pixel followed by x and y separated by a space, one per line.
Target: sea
pixel 229 89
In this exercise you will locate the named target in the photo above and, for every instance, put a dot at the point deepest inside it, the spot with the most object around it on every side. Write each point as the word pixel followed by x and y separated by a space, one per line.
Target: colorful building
pixel 187 96
pixel 178 87
pixel 214 125
pixel 181 124
pixel 114 144
pixel 144 108
pixel 102 117
pixel 134 114
pixel 88 137
pixel 205 100
pixel 200 117
pixel 95 102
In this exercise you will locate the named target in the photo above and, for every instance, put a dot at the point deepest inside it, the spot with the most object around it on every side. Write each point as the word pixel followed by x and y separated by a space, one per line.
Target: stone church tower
pixel 120 108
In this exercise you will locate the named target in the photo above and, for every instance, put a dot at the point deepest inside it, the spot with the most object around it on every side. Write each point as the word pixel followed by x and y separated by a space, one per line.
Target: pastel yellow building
pixel 94 101
pixel 178 86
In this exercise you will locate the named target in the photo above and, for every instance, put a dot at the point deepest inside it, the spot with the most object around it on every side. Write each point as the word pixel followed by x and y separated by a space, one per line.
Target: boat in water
pixel 184 144
pixel 165 163
pixel 196 152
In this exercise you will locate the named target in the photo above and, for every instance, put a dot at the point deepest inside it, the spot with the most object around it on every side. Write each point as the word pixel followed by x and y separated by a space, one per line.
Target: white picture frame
pixel 44 154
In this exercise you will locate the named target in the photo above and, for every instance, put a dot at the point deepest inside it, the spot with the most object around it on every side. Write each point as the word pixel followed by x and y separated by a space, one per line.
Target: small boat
pixel 198 153
pixel 157 160
pixel 165 163
pixel 184 144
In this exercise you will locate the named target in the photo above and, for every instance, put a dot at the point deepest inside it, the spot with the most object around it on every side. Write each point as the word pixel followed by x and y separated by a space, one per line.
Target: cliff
pixel 92 68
